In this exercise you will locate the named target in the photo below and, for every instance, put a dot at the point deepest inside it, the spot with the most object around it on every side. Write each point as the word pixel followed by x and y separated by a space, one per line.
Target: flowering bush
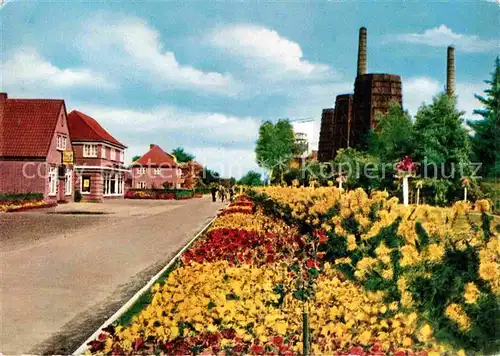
pixel 24 205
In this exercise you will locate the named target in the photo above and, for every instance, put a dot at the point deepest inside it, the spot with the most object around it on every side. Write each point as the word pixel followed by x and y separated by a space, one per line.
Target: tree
pixel 135 158
pixel 441 139
pixel 393 138
pixel 274 149
pixel 486 140
pixel 360 169
pixel 209 176
pixel 181 155
pixel 251 178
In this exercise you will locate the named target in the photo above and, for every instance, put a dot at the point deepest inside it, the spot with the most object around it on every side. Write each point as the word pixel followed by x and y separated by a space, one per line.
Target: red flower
pixel 257 349
pixel 310 263
pixel 356 351
pixel 277 340
pixel 138 343
pixel 400 353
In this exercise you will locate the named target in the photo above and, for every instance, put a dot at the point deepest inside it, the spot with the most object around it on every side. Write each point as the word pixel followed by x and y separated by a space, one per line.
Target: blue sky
pixel 204 75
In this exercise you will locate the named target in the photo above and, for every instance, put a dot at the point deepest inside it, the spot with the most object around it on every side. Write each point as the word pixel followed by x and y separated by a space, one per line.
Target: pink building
pixel 33 136
pixel 154 169
pixel 99 159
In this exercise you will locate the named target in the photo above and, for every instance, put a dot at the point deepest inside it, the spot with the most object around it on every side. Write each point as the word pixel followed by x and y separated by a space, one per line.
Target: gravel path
pixel 63 275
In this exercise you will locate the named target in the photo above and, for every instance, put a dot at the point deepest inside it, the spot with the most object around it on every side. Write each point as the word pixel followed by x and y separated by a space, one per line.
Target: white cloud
pixel 214 138
pixel 419 90
pixel 443 36
pixel 26 67
pixel 265 49
pixel 132 42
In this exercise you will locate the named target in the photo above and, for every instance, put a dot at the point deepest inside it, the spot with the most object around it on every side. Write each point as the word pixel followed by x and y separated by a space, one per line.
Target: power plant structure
pixel 354 114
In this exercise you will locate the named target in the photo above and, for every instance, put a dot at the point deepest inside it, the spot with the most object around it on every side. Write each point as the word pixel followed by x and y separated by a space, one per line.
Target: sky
pixel 204 75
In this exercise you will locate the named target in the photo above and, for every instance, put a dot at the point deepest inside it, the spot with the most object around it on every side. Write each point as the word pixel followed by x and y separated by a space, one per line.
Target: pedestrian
pixel 213 190
pixel 222 193
pixel 232 191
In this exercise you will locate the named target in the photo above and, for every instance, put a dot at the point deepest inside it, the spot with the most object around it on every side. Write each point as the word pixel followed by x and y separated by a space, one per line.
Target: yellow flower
pixel 458 315
pixel 471 293
pixel 435 252
pixel 425 333
pixel 488 271
pixel 483 205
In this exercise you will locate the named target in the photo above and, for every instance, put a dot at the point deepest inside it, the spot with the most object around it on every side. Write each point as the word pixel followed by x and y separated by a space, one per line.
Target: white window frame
pixel 141 185
pixel 53 180
pixel 103 151
pixel 68 183
pixel 157 171
pixel 89 150
pixel 81 184
pixel 112 154
pixel 107 179
pixel 142 170
pixel 122 156
pixel 61 142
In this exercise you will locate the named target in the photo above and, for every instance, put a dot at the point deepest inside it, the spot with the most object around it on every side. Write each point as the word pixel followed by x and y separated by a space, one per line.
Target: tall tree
pixel 393 138
pixel 274 148
pixel 251 178
pixel 486 140
pixel 181 155
pixel 135 158
pixel 440 137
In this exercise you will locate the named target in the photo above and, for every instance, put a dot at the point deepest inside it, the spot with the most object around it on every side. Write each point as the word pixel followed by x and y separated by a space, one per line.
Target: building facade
pixel 156 169
pixel 99 159
pixel 35 138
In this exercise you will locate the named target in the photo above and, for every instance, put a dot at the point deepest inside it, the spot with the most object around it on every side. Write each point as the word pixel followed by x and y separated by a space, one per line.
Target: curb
pixel 84 347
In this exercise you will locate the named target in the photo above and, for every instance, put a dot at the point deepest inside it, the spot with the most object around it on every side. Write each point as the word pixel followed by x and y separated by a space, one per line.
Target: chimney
pixel 362 51
pixel 151 145
pixel 450 72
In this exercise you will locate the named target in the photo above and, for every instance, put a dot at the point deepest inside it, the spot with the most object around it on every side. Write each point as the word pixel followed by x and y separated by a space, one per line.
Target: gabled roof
pixel 156 157
pixel 85 128
pixel 28 125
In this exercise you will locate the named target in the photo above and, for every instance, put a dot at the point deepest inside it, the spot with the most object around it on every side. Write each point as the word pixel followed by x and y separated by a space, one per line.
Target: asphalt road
pixel 61 276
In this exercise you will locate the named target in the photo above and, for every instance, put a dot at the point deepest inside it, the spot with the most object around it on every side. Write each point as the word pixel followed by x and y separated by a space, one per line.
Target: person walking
pixel 232 191
pixel 213 190
pixel 222 193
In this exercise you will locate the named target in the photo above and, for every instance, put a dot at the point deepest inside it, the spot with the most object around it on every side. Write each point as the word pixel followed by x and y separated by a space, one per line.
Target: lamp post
pixel 405 169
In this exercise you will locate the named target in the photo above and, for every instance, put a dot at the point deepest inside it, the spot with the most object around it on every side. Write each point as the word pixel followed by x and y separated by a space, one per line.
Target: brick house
pixel 155 169
pixel 99 159
pixel 34 134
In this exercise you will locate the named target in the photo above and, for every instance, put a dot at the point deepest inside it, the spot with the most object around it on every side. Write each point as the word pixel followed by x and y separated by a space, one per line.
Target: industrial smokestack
pixel 450 72
pixel 362 51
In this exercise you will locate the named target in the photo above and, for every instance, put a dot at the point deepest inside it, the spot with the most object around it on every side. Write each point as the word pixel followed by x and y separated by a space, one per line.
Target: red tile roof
pixel 156 157
pixel 85 128
pixel 28 126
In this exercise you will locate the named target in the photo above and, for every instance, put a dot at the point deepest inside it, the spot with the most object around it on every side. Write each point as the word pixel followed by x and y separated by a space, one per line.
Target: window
pixel 61 142
pixel 141 185
pixel 122 156
pixel 113 155
pixel 85 184
pixel 53 181
pixel 157 171
pixel 89 150
pixel 103 151
pixel 113 184
pixel 68 184
pixel 142 170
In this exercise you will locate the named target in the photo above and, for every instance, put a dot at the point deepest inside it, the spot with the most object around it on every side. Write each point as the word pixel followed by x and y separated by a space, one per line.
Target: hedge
pixel 21 196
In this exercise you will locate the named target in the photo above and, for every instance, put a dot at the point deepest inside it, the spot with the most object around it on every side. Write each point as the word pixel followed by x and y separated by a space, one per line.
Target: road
pixel 63 275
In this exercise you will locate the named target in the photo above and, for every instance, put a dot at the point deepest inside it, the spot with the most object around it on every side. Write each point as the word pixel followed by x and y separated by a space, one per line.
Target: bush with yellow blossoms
pixel 442 263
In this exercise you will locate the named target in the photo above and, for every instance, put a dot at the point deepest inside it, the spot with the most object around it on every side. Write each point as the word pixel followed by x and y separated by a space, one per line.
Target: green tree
pixel 361 169
pixel 440 137
pixel 393 138
pixel 274 149
pixel 209 176
pixel 251 178
pixel 181 155
pixel 486 140
pixel 135 158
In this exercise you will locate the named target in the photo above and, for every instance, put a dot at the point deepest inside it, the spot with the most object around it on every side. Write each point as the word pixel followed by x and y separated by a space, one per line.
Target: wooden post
pixel 305 331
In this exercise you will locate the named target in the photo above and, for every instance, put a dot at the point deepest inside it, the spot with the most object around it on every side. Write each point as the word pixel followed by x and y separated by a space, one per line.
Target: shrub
pixel 21 196
pixel 78 196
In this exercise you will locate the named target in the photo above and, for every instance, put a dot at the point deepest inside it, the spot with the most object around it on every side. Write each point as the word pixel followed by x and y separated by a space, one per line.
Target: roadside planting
pixel 369 275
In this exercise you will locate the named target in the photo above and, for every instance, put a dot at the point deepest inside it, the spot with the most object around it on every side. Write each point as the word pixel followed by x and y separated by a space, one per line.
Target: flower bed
pixel 372 276
pixel 160 194
pixel 19 205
